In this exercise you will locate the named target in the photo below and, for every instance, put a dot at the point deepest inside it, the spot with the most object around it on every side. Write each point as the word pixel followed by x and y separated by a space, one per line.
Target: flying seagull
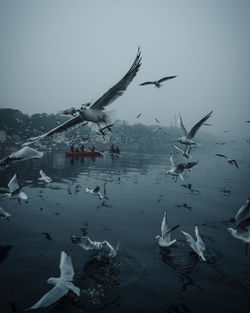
pixel 177 170
pixel 15 190
pixel 24 153
pixel 96 112
pixel 185 153
pixel 165 238
pixel 4 214
pixel 242 222
pixel 44 177
pixel 198 246
pixel 95 191
pixel 187 138
pixel 157 83
pixel 103 248
pixel 61 285
pixel 139 115
pixel 230 161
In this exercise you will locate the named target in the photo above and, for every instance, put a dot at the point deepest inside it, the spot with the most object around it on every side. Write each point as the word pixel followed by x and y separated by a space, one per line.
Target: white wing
pixel 45 177
pixel 77 120
pixel 52 296
pixel 67 271
pixel 243 213
pixel 164 225
pixel 26 153
pixel 173 164
pixel 183 129
pixel 13 184
pixel 117 90
pixel 178 149
pixel 190 241
pixel 200 244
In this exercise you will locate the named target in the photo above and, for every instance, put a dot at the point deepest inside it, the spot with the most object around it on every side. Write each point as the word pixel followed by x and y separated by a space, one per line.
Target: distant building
pixel 2 136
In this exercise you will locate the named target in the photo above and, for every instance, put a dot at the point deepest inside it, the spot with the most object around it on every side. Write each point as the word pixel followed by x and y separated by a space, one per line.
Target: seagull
pixel 165 238
pixel 61 285
pixel 157 83
pixel 95 112
pixel 187 138
pixel 177 170
pixel 184 153
pixel 95 192
pixel 230 161
pixel 157 121
pixel 24 153
pixel 4 214
pixel 242 222
pixel 15 190
pixel 243 213
pixel 138 115
pixel 198 246
pixel 44 177
pixel 103 248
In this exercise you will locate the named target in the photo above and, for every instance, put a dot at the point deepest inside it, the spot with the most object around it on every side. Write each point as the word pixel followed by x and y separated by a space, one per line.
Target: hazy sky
pixel 55 54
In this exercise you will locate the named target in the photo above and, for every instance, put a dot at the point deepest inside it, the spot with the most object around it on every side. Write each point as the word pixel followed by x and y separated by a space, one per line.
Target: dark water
pixel 143 278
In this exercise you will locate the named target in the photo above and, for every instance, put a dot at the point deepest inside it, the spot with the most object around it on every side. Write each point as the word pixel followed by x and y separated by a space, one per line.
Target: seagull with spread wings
pixel 103 248
pixel 177 170
pixel 165 238
pixel 242 222
pixel 157 83
pixel 198 246
pixel 24 153
pixel 61 285
pixel 96 112
pixel 230 161
pixel 15 190
pixel 187 138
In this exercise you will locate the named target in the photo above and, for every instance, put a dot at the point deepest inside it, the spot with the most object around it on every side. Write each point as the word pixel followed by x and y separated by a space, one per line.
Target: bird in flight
pixel 95 112
pixel 157 83
pixel 61 285
pixel 177 170
pixel 242 222
pixel 187 138
pixel 165 238
pixel 139 115
pixel 198 246
pixel 230 161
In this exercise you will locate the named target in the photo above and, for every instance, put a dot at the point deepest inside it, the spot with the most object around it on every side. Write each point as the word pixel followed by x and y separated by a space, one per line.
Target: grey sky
pixel 56 54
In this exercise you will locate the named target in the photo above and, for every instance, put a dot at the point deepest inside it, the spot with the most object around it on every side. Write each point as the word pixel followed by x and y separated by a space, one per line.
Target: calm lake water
pixel 143 277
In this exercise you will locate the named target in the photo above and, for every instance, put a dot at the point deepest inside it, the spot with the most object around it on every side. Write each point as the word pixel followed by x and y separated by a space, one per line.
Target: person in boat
pixel 82 148
pixel 72 148
pixel 93 148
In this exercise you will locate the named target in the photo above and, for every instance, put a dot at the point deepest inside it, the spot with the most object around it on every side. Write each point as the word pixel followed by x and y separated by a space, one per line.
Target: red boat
pixel 85 153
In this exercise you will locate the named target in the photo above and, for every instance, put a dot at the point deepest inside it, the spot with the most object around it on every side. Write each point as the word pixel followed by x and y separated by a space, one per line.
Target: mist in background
pixel 57 54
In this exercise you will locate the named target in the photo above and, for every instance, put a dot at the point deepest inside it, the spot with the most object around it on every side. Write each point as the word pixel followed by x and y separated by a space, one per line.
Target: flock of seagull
pixel 96 113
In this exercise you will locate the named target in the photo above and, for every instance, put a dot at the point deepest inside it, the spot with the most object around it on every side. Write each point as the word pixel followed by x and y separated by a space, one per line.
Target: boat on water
pixel 85 153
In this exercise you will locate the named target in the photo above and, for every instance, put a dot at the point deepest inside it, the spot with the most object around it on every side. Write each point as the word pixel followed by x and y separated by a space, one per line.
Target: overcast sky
pixel 55 54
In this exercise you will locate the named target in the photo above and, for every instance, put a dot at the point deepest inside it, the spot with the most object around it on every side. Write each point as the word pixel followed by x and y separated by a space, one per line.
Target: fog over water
pixel 58 54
